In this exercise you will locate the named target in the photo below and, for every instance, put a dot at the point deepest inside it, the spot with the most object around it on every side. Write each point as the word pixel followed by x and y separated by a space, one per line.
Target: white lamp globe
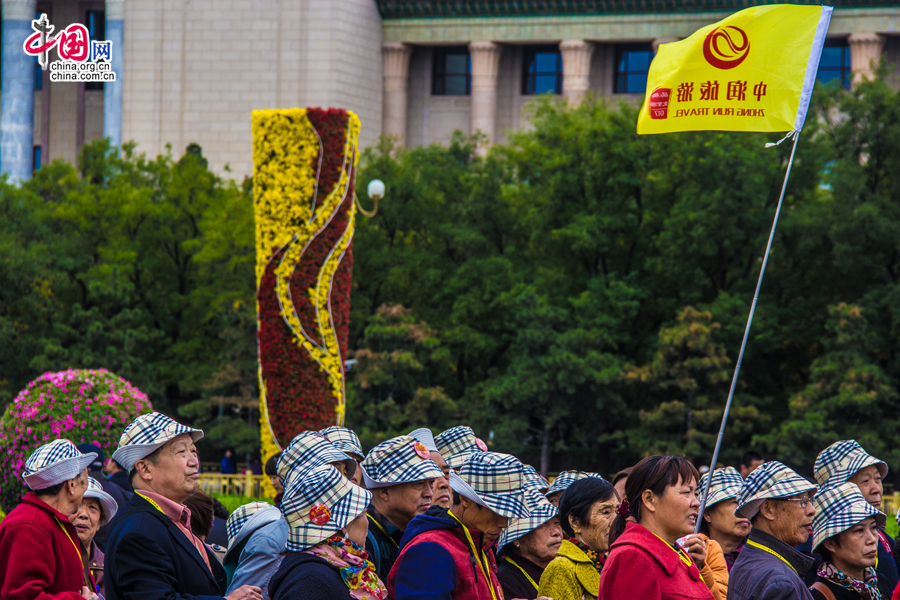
pixel 376 189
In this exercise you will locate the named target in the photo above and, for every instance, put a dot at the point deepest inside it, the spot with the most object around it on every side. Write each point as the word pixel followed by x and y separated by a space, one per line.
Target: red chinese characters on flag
pixel 73 43
pixel 659 103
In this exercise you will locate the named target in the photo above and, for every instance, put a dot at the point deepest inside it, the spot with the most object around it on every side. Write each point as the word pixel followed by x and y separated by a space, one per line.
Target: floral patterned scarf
pixel 596 559
pixel 868 588
pixel 356 569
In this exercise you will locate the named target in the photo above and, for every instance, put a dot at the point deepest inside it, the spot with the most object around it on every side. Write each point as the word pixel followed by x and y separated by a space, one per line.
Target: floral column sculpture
pixel 303 182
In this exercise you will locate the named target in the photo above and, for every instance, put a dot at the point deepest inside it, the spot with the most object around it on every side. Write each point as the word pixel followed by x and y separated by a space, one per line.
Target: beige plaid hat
pixel 399 460
pixel 840 461
pixel 108 505
pixel 839 508
pixel 425 436
pixel 307 451
pixel 457 443
pixel 245 520
pixel 772 480
pixel 319 505
pixel 147 433
pixel 726 485
pixel 54 463
pixel 493 480
pixel 541 512
pixel 344 440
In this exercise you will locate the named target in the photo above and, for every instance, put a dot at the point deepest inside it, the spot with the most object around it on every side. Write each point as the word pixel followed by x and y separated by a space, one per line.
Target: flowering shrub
pixel 82 405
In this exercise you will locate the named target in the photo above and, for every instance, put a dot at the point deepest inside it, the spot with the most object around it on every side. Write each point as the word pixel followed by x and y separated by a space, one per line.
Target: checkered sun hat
pixel 307 451
pixel 839 508
pixel 726 485
pixel 319 505
pixel 541 512
pixel 240 516
pixel 109 507
pixel 457 443
pixel 399 460
pixel 567 478
pixel 344 440
pixel 772 480
pixel 534 480
pixel 247 519
pixel 493 480
pixel 147 433
pixel 840 461
pixel 425 436
pixel 54 463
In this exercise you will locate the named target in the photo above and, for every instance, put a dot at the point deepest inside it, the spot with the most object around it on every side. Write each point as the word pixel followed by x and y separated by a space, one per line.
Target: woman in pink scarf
pixel 325 558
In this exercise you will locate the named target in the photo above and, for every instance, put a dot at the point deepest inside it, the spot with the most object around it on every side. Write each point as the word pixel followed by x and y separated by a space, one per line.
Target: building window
pixel 835 64
pixel 543 70
pixel 35 159
pixel 633 63
pixel 452 72
pixel 95 20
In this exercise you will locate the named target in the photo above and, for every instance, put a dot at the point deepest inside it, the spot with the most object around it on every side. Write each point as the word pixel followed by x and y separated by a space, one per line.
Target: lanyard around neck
pixel 74 545
pixel 383 530
pixel 772 552
pixel 681 553
pixel 516 565
pixel 474 550
pixel 151 501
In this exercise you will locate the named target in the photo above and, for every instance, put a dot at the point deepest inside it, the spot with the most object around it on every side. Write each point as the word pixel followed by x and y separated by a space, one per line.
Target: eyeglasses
pixel 804 501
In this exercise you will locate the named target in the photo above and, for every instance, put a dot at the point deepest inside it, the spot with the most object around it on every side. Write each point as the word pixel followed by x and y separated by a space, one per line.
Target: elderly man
pixel 40 556
pixel 779 504
pixel 152 553
pixel 447 554
pixel 401 475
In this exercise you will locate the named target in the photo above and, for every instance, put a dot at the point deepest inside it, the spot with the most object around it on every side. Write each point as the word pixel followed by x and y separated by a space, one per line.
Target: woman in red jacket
pixel 645 559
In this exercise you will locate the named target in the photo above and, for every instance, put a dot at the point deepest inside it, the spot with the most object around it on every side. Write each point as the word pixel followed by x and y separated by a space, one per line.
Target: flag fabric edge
pixel 812 67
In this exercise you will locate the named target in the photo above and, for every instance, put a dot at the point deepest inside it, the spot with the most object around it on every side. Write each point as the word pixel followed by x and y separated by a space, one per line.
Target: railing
pixel 236 485
pixel 890 505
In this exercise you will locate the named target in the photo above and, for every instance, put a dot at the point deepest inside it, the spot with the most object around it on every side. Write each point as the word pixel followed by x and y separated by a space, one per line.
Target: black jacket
pixel 149 558
pixel 761 575
pixel 303 576
pixel 120 478
pixel 515 583
pixel 840 593
pixel 118 494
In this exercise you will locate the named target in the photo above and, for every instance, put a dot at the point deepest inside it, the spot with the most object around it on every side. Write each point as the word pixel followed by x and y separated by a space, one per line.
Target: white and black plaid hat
pixel 493 480
pixel 726 485
pixel 534 480
pixel 147 433
pixel 457 443
pixel 109 507
pixel 425 436
pixel 247 519
pixel 54 463
pixel 541 512
pixel 567 478
pixel 319 505
pixel 772 480
pixel 307 451
pixel 840 461
pixel 399 460
pixel 839 508
pixel 344 440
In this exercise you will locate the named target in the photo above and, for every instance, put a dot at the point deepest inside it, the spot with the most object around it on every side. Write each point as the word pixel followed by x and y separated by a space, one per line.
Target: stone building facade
pixel 192 70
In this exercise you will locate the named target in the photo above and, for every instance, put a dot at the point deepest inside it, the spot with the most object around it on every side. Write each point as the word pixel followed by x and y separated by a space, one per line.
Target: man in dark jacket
pixel 118 475
pixel 779 504
pixel 153 554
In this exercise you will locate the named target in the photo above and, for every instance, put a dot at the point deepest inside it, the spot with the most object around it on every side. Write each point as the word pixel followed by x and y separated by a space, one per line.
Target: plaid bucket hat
pixel 772 480
pixel 839 508
pixel 307 451
pixel 840 461
pixel 398 460
pixel 108 506
pixel 344 440
pixel 319 505
pixel 54 463
pixel 541 512
pixel 726 485
pixel 457 443
pixel 425 436
pixel 534 480
pixel 247 519
pixel 147 433
pixel 567 478
pixel 493 480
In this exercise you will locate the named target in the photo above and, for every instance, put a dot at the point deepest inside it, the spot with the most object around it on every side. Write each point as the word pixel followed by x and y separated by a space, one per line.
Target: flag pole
pixel 737 367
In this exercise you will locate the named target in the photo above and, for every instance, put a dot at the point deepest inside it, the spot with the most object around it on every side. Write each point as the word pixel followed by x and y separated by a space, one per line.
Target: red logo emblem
pixel 421 450
pixel 726 47
pixel 659 103
pixel 319 514
pixel 481 445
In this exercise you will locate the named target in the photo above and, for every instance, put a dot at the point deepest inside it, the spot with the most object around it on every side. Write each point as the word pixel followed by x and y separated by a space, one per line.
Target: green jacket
pixel 571 576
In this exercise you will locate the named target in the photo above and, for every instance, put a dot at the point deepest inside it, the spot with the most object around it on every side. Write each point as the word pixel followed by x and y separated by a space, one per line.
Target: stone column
pixel 396 87
pixel 865 54
pixel 656 43
pixel 112 90
pixel 576 60
pixel 17 97
pixel 485 62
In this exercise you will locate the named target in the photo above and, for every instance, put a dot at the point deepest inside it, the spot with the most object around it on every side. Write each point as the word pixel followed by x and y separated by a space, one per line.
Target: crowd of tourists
pixel 440 517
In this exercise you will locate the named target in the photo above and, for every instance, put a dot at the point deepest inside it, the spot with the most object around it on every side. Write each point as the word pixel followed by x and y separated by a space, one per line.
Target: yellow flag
pixel 753 71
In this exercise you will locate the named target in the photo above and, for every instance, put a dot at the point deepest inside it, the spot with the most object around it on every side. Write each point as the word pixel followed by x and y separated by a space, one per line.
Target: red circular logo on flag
pixel 319 514
pixel 421 450
pixel 726 47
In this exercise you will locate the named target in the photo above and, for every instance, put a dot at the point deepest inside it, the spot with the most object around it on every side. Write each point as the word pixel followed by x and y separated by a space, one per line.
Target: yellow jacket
pixel 570 576
pixel 715 571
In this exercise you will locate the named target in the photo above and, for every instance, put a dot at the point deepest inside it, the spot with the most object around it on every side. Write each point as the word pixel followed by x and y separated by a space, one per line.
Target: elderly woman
pixel 586 512
pixel 563 481
pixel 645 560
pixel 527 546
pixel 96 510
pixel 325 557
pixel 719 521
pixel 845 533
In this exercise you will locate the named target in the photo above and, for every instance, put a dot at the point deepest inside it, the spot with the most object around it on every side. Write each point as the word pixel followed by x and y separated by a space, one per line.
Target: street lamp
pixel 376 193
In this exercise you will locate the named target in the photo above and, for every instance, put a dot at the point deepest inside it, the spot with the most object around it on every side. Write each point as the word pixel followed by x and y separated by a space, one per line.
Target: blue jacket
pixel 257 550
pixel 761 575
pixel 149 558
